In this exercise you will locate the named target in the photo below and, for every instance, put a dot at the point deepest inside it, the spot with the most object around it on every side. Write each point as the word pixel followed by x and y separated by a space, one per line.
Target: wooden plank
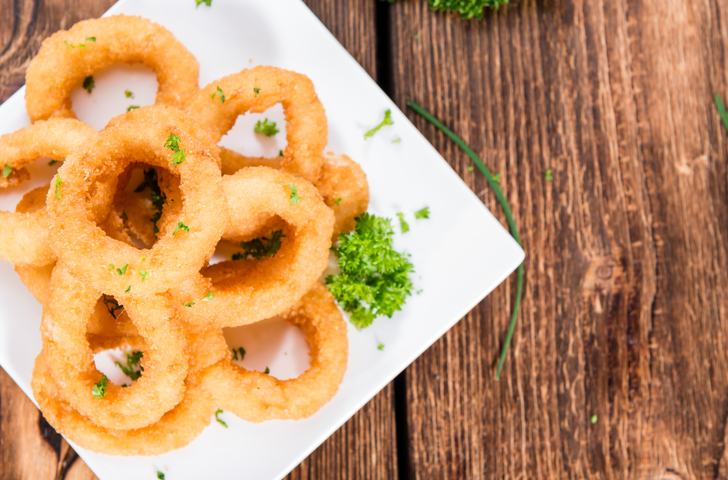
pixel 624 314
pixel 365 446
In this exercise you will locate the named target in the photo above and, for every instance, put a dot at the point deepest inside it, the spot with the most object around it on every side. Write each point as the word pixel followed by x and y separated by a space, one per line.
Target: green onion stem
pixel 506 208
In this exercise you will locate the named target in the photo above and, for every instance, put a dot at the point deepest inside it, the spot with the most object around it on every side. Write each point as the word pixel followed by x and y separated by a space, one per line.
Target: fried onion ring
pixel 257 397
pixel 165 363
pixel 24 236
pixel 246 291
pixel 94 256
pixel 68 56
pixel 257 89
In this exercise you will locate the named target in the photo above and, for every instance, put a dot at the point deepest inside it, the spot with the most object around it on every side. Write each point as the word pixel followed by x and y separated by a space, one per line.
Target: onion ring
pixel 246 291
pixel 24 236
pixel 63 329
pixel 257 397
pixel 257 89
pixel 62 63
pixel 93 256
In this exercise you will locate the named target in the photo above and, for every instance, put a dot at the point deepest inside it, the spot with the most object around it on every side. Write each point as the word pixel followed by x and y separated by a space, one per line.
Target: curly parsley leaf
pixel 99 389
pixel 88 83
pixel 218 92
pixel 266 127
pixel 261 247
pixel 112 305
pixel 387 121
pixel 133 360
pixel 180 226
pixel 173 143
pixel 374 278
pixel 402 223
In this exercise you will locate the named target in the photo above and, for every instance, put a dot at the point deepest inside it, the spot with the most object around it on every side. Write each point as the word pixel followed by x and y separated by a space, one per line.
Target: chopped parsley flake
pixel 112 305
pixel 80 45
pixel 218 412
pixel 133 359
pixel 423 213
pixel 208 297
pixel 497 178
pixel 180 226
pixel 206 2
pixel 257 249
pixel 128 289
pixel 238 354
pixel 267 370
pixel 52 162
pixel 124 216
pixel 549 176
pixel 129 94
pixel 7 170
pixel 594 419
pixel 280 153
pixel 188 304
pixel 222 95
pixel 131 107
pixel 88 83
pixel 172 143
pixel 59 182
pixel 374 278
pixel 470 168
pixel 294 198
pixel 122 270
pixel 160 475
pixel 396 140
pixel 380 346
pixel 90 39
pixel 266 127
pixel 99 390
pixel 402 223
pixel 144 274
pixel 256 90
pixel 387 121
pixel 338 201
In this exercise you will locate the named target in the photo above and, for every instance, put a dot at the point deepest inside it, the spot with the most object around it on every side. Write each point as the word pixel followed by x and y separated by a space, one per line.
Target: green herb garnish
pixel 208 297
pixel 380 346
pixel 7 170
pixel 99 390
pixel 402 223
pixel 256 90
pixel 549 176
pixel 144 274
pixel 338 201
pixel 131 107
pixel 238 354
pixel 374 278
pixel 128 289
pixel 52 162
pixel 218 412
pixel 188 304
pixel 258 249
pixel 206 2
pixel 90 39
pixel 218 92
pixel 423 213
pixel 497 178
pixel 180 226
pixel 133 360
pixel 506 208
pixel 88 83
pixel 112 305
pixel 594 419
pixel 266 127
pixel 387 121
pixel 128 94
pixel 122 270
pixel 267 370
pixel 59 182
pixel 396 140
pixel 294 198
pixel 160 475
pixel 173 143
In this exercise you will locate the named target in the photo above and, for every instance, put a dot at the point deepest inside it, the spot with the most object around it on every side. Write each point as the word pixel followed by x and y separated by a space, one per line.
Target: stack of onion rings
pixel 123 262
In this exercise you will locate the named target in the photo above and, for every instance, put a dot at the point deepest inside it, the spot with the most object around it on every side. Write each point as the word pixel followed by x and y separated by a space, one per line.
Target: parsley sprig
pixel 99 388
pixel 387 121
pixel 173 143
pixel 374 278
pixel 261 247
pixel 266 127
pixel 133 360
pixel 506 208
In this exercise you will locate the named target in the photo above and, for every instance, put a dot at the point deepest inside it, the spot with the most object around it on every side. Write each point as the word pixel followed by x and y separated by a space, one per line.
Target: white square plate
pixel 460 254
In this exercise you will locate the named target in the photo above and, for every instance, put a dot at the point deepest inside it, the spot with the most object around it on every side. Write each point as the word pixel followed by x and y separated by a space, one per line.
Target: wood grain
pixel 364 447
pixel 624 313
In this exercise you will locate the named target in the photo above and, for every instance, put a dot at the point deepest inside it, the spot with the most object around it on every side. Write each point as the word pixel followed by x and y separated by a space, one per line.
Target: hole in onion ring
pixel 274 344
pixel 242 138
pixel 108 99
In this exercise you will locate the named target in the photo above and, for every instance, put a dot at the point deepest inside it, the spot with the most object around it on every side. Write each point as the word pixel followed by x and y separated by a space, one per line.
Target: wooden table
pixel 624 313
